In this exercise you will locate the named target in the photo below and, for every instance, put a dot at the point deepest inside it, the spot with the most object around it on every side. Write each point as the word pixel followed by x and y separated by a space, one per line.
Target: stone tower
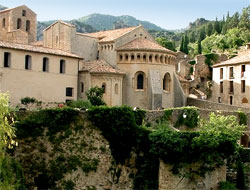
pixel 18 25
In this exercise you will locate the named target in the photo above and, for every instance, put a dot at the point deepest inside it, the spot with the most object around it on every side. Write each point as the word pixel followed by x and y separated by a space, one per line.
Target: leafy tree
pixel 166 43
pixel 182 44
pixel 94 95
pixel 209 29
pixel 10 171
pixel 217 26
pixel 185 44
pixel 245 18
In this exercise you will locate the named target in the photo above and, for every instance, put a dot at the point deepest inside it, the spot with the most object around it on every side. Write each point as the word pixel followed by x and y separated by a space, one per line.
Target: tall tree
pixel 217 26
pixel 182 44
pixel 245 18
pixel 185 44
pixel 209 29
pixel 199 47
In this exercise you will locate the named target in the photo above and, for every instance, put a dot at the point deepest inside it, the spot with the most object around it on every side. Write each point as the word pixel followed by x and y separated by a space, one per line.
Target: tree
pixel 9 178
pixel 199 47
pixel 94 95
pixel 182 44
pixel 245 18
pixel 209 29
pixel 185 44
pixel 166 43
pixel 217 26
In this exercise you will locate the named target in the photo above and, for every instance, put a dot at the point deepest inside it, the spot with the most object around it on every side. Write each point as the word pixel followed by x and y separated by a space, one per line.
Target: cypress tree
pixel 182 44
pixel 185 44
pixel 199 47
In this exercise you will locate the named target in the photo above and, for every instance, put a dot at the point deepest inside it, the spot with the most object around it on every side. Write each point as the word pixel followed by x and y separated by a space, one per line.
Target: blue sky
pixel 174 14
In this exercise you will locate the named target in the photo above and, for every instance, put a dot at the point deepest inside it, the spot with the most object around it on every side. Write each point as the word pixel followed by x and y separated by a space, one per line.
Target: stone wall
pixel 167 180
pixel 179 96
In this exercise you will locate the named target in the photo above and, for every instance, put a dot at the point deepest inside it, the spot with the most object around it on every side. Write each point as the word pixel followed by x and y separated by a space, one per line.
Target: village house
pixel 231 80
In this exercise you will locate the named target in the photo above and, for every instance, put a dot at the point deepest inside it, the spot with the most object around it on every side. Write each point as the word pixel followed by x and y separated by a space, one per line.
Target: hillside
pixel 102 21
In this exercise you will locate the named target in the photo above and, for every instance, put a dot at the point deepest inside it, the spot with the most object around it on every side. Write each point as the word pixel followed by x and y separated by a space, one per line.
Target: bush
pixel 224 185
pixel 189 116
pixel 79 104
pixel 94 95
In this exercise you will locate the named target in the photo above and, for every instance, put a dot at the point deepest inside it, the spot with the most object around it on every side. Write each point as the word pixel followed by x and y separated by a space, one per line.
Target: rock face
pixel 169 181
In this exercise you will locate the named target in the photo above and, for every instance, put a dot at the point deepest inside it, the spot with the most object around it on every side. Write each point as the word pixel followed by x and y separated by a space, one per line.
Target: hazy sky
pixel 169 14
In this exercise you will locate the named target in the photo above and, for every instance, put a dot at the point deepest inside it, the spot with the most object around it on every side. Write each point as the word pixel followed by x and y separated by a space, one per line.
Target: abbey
pixel 128 63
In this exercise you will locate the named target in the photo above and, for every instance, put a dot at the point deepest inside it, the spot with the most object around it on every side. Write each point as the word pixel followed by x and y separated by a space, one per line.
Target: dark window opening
pixel 150 58
pixel 231 73
pixel 219 99
pixel 221 87
pixel 243 69
pixel 221 73
pixel 19 23
pixel 144 58
pixel 62 66
pixel 69 91
pixel 27 62
pixel 132 57
pixel 7 59
pixel 121 57
pixel 24 13
pixel 231 87
pixel 243 86
pixel 104 88
pixel 28 26
pixel 45 64
pixel 231 100
pixel 166 82
pixel 82 87
pixel 3 23
pixel 140 81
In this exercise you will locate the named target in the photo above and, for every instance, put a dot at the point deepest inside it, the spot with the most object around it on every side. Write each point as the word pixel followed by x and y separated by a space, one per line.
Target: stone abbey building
pixel 128 63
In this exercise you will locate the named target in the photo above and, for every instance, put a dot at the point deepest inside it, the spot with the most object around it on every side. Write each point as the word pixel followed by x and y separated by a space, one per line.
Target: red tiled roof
pixel 100 66
pixel 38 49
pixel 110 35
pixel 144 44
pixel 244 57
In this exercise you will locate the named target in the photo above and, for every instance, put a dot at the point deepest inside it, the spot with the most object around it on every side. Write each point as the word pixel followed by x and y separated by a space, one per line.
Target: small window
pixel 7 57
pixel 150 58
pixel 243 86
pixel 116 88
pixel 121 57
pixel 221 87
pixel 19 23
pixel 132 57
pixel 243 69
pixel 126 57
pixel 82 87
pixel 231 72
pixel 3 23
pixel 27 26
pixel 24 13
pixel 138 57
pixel 62 66
pixel 144 58
pixel 167 82
pixel 27 62
pixel 219 99
pixel 140 81
pixel 45 64
pixel 221 73
pixel 244 101
pixel 231 100
pixel 104 87
pixel 69 91
pixel 231 87
pixel 156 58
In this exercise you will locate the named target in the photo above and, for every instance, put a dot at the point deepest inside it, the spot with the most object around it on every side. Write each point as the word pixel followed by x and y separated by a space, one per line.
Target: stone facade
pixel 231 84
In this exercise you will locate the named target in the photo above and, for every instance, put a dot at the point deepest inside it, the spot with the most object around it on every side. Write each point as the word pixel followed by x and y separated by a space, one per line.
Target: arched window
pixel 156 58
pixel 3 22
pixel 28 26
pixel 244 101
pixel 116 88
pixel 19 23
pixel 126 57
pixel 82 87
pixel 24 13
pixel 166 59
pixel 144 58
pixel 121 57
pixel 140 81
pixel 150 58
pixel 62 66
pixel 167 82
pixel 45 64
pixel 161 59
pixel 138 57
pixel 27 62
pixel 104 87
pixel 132 57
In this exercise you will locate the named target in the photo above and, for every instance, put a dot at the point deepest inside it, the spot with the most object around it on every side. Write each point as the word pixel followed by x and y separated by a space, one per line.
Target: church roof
pixel 144 44
pixel 244 57
pixel 37 49
pixel 100 66
pixel 111 35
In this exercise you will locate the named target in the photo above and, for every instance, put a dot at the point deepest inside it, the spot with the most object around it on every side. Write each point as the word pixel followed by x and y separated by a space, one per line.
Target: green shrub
pixel 94 95
pixel 68 185
pixel 79 104
pixel 139 116
pixel 224 185
pixel 242 118
pixel 188 116
pixel 90 165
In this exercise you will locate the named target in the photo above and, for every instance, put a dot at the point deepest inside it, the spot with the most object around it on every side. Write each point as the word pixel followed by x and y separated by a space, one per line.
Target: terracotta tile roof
pixel 144 44
pixel 100 66
pixel 110 35
pixel 241 58
pixel 38 49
